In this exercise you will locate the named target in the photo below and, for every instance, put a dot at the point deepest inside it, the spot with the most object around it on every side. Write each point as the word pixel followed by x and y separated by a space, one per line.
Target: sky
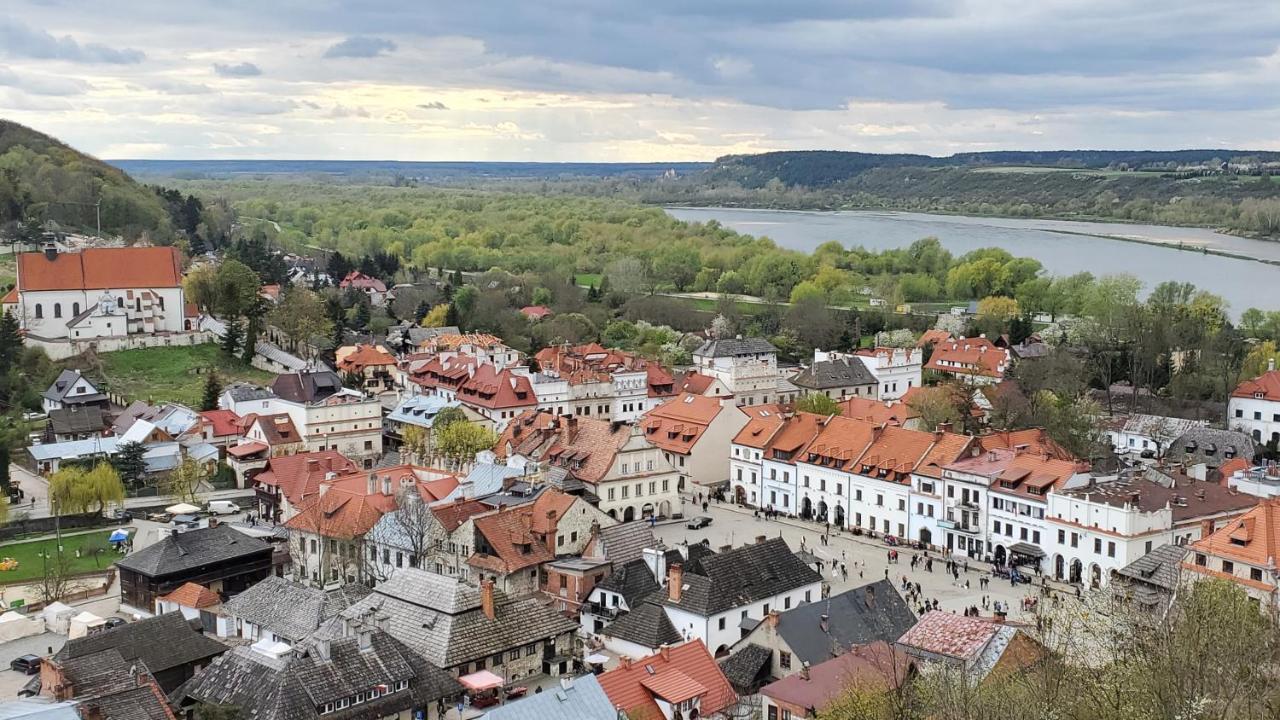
pixel 637 80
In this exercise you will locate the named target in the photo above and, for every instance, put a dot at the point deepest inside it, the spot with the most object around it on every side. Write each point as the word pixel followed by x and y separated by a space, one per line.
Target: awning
pixel 1026 550
pixel 482 680
pixel 118 535
pixel 182 509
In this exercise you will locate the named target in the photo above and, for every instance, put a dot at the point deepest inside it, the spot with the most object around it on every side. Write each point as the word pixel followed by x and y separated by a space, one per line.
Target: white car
pixel 223 507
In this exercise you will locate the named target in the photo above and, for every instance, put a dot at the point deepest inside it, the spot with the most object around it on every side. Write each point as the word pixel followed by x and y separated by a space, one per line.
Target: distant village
pixel 436 525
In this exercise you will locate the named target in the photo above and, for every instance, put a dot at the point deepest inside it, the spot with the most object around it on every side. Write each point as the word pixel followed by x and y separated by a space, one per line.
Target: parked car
pixel 26 664
pixel 223 507
pixel 113 622
pixel 698 523
pixel 120 514
pixel 33 416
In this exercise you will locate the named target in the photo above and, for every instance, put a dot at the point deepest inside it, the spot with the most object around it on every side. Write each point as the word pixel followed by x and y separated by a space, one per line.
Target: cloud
pixel 42 84
pixel 17 40
pixel 238 70
pixel 360 47
pixel 433 105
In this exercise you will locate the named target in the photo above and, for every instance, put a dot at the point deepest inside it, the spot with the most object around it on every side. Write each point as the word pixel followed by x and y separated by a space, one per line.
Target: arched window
pixel 120 302
pixel 57 310
pixel 75 309
pixel 39 311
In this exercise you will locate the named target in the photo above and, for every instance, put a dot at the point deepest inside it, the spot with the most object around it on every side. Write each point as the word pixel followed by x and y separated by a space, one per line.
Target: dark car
pixel 26 664
pixel 113 622
pixel 698 523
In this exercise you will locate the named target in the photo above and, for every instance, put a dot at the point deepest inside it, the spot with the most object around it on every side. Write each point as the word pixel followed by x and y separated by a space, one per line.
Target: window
pixel 1062 537
pixel 1239 413
pixel 1075 540
pixel 399 559
pixel 359 698
pixel 784 660
pixel 57 310
pixel 39 311
pixel 1097 546
pixel 75 308
pixel 532 649
pixel 1255 574
pixel 611 493
pixel 995 526
pixel 857 495
pixel 1200 560
pixel 513 655
pixel 1228 567
pixel 721 623
pixel 1111 549
pixel 1035 537
pixel 902 504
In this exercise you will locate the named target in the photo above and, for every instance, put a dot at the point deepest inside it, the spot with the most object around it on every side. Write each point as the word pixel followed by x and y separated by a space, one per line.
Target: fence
pixel 78 595
pixel 45 525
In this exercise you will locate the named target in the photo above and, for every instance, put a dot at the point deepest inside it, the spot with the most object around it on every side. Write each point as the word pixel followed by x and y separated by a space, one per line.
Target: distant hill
pixel 824 168
pixel 426 172
pixel 45 179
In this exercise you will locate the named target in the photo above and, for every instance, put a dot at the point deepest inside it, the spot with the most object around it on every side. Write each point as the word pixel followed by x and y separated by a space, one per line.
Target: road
pixel 37 488
pixel 865 559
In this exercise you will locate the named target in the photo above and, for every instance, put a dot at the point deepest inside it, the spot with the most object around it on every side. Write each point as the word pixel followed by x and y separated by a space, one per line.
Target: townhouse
pixel 1100 527
pixel 619 385
pixel 747 368
pixel 976 360
pixel 694 433
pixel 746 452
pixel 1254 406
pixel 373 365
pixel 1243 551
pixel 497 395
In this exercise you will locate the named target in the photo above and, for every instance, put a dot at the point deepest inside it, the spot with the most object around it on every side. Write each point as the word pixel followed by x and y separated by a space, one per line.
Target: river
pixel 1064 247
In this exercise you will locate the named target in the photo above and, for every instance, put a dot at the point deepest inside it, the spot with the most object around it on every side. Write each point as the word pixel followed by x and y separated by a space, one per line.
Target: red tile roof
pixel 363 356
pixel 222 422
pixel 630 686
pixel 246 449
pixel 497 389
pixel 101 268
pixel 762 422
pixel 969 356
pixel 193 595
pixel 695 382
pixel 674 686
pixel 1266 386
pixel 895 454
pixel 839 442
pixel 10 298
pixel 950 635
pixel 299 476
pixel 357 279
pixel 677 424
pixel 347 509
pixel 511 543
pixel 452 515
pixel 933 337
pixel 1035 440
pixel 1253 538
pixel 535 312
pixel 880 412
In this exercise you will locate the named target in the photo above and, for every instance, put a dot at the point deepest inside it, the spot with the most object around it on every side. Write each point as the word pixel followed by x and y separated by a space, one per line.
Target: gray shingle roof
pixel 646 625
pixel 296 685
pixel 584 699
pixel 733 347
pixel 1161 567
pixel 855 617
pixel 742 576
pixel 161 642
pixel 63 384
pixel 76 419
pixel 633 581
pixel 625 542
pixel 306 386
pixel 829 374
pixel 440 617
pixel 189 550
pixel 291 610
pixel 1211 446
pixel 743 668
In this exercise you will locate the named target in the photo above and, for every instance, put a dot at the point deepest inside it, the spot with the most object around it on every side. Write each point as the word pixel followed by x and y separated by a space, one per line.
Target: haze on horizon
pixel 619 80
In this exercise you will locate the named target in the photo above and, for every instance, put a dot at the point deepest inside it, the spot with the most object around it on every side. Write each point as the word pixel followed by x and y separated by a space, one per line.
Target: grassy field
pixel 587 279
pixel 170 374
pixel 31 563
pixel 8 270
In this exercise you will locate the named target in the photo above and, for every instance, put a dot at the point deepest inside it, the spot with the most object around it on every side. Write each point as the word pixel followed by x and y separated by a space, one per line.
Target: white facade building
pixel 1254 407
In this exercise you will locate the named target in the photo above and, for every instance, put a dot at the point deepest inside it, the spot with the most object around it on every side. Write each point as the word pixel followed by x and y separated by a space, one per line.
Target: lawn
pixel 170 374
pixel 31 563
pixel 587 279
pixel 8 270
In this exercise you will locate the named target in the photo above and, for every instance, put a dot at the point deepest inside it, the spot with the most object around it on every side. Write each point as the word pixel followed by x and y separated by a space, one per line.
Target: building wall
pixel 1257 417
pixel 744 474
pixel 716 637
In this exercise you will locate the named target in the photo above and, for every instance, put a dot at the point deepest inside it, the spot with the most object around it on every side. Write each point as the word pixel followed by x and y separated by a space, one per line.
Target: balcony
pixel 600 611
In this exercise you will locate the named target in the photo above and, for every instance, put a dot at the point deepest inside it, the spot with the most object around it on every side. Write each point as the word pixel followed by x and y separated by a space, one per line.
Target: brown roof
pixel 794 435
pixel 452 515
pixel 947 448
pixel 1186 497
pixel 278 429
pixel 490 388
pixel 363 356
pixel 970 356
pixel 873 667
pixel 1034 439
pixel 839 442
pixel 950 635
pixel 933 337
pixel 101 268
pixel 895 454
pixel 631 685
pixel 514 542
pixel 695 382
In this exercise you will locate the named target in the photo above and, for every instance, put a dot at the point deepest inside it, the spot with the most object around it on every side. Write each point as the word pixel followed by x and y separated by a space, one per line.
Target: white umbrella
pixel 182 509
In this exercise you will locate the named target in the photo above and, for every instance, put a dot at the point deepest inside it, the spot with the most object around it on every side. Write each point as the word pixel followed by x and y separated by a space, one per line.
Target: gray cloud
pixel 42 84
pixel 360 47
pixel 18 40
pixel 433 105
pixel 238 70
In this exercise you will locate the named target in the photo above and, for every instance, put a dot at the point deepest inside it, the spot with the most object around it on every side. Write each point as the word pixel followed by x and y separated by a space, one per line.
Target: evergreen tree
pixel 4 471
pixel 448 291
pixel 251 340
pixel 457 278
pixel 338 267
pixel 424 307
pixel 231 339
pixel 10 342
pixel 361 318
pixel 451 317
pixel 212 389
pixel 129 463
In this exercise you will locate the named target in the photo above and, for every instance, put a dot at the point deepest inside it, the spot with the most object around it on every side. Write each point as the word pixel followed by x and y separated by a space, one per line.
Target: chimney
pixel 322 647
pixel 823 624
pixel 943 427
pixel 90 712
pixel 383 622
pixel 1206 528
pixel 571 429
pixel 313 465
pixel 675 582
pixel 804 671
pixel 51 254
pixel 625 662
pixel 1271 364
pixel 665 651
pixel 761 538
pixel 365 638
pixel 213 522
pixel 486 598
pixel 656 559
pixel 566 682
pixel 772 618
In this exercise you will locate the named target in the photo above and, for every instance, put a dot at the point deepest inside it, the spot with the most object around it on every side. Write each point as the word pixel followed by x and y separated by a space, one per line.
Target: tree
pixel 450 316
pixel 541 296
pixel 628 275
pixel 186 482
pixel 460 441
pixel 416 443
pixel 212 389
pixel 818 404
pixel 447 416
pixel 945 403
pixel 231 338
pixel 1260 359
pixel 6 483
pixel 236 289
pixel 438 316
pixel 74 489
pixel 10 342
pixel 129 463
pixel 678 265
pixel 301 315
